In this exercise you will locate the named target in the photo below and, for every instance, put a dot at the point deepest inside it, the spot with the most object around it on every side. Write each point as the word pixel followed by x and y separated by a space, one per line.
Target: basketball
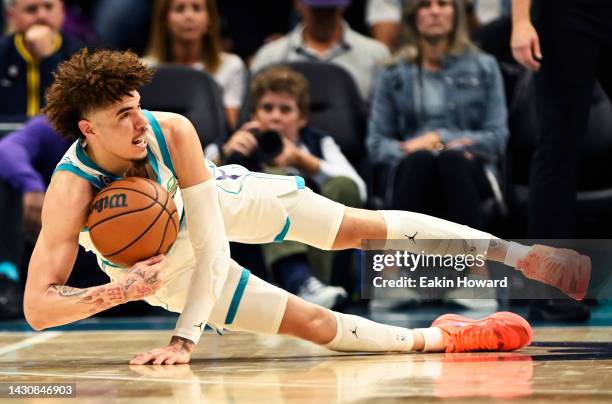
pixel 131 220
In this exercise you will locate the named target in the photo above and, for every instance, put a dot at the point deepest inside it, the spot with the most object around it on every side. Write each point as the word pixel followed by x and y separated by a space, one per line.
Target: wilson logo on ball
pixel 109 202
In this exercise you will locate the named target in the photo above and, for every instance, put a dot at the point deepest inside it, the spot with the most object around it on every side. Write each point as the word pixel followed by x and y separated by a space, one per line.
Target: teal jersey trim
pixel 110 264
pixel 154 164
pixel 231 313
pixel 299 181
pixel 280 237
pixel 96 182
pixel 161 140
pixel 84 158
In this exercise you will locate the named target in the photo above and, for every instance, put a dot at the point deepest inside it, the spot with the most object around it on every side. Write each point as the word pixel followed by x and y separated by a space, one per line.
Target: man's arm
pixel 18 151
pixel 207 236
pixel 525 42
pixel 48 302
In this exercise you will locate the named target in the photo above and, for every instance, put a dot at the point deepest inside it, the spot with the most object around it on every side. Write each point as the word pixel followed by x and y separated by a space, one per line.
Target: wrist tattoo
pixel 185 341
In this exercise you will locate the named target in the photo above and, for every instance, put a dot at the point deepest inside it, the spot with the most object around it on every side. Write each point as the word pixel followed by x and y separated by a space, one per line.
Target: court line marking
pixel 28 342
pixel 165 380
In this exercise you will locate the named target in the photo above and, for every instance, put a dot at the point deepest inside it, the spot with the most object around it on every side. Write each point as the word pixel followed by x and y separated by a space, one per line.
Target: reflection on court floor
pixel 562 364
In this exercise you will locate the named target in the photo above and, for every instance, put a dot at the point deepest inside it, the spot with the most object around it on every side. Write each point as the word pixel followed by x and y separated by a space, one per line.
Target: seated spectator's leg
pixel 345 191
pixel 416 183
pixel 11 240
pixel 289 264
pixel 123 24
pixel 464 186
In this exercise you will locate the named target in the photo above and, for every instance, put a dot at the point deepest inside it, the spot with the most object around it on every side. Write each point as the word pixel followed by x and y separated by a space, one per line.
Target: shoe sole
pixel 505 316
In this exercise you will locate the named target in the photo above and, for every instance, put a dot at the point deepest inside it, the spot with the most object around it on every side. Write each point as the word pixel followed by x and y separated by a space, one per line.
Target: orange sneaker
pixel 564 269
pixel 501 331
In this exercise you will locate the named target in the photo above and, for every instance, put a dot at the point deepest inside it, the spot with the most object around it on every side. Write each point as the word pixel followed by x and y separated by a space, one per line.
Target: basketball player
pixel 94 101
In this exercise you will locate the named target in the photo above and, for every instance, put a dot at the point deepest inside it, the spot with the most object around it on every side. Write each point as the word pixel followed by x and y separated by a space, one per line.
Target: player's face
pixel 118 131
pixel 187 20
pixel 435 18
pixel 280 112
pixel 25 13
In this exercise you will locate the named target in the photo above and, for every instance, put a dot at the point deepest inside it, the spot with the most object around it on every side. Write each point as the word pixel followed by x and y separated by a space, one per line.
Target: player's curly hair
pixel 88 81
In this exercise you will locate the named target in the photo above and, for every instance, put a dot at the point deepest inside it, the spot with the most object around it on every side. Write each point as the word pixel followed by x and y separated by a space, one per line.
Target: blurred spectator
pixel 439 117
pixel 121 24
pixel 247 24
pixel 2 19
pixel 30 55
pixel 568 44
pixel 490 10
pixel 187 32
pixel 384 19
pixel 570 49
pixel 78 22
pixel 325 36
pixel 27 159
pixel 279 102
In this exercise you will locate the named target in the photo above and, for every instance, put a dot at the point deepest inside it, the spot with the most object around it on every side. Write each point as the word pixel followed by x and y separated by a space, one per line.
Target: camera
pixel 270 145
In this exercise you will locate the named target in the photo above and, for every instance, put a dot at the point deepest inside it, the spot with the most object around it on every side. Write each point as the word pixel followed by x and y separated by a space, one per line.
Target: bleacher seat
pixel 191 93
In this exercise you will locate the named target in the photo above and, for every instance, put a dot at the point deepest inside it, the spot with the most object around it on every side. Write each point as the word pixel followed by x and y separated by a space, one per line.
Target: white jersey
pixel 249 202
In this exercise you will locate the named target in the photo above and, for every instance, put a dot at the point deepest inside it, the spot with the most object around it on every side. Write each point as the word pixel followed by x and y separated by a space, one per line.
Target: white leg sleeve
pixel 357 334
pixel 418 233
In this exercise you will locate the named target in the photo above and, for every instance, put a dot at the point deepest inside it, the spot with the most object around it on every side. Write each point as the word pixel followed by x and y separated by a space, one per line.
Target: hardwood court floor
pixel 563 364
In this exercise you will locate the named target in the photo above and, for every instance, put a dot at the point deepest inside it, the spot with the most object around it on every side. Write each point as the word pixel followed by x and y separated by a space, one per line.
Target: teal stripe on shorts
pixel 280 237
pixel 231 313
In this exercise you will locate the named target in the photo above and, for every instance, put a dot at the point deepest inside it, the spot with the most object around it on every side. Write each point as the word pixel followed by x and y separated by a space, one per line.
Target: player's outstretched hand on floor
pixel 178 351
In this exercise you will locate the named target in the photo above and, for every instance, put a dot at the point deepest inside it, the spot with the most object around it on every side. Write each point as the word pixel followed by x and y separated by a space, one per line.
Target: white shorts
pixel 263 208
pixel 249 303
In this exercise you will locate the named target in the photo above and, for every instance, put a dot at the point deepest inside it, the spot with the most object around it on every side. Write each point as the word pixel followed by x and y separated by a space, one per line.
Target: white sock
pixel 357 334
pixel 418 233
pixel 515 252
pixel 434 339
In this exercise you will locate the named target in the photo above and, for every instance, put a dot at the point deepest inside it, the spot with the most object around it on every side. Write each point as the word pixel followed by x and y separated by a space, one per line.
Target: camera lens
pixel 270 144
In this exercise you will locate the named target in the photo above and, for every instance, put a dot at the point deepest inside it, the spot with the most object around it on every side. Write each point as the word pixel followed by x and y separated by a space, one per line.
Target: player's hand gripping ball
pixel 131 220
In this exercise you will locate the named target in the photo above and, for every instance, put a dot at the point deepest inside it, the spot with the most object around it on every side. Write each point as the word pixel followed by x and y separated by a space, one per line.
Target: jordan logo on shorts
pixel 412 238
pixel 354 332
pixel 200 326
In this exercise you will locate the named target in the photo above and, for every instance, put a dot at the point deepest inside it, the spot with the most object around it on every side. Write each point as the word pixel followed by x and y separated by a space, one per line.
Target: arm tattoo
pixel 67 291
pixel 129 282
pixel 139 272
pixel 103 297
pixel 152 279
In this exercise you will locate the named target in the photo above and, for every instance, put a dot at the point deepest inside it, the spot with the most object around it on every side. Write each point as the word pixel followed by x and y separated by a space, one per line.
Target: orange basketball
pixel 131 220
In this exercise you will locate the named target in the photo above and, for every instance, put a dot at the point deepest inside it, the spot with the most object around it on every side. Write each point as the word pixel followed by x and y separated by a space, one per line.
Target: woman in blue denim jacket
pixel 439 117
